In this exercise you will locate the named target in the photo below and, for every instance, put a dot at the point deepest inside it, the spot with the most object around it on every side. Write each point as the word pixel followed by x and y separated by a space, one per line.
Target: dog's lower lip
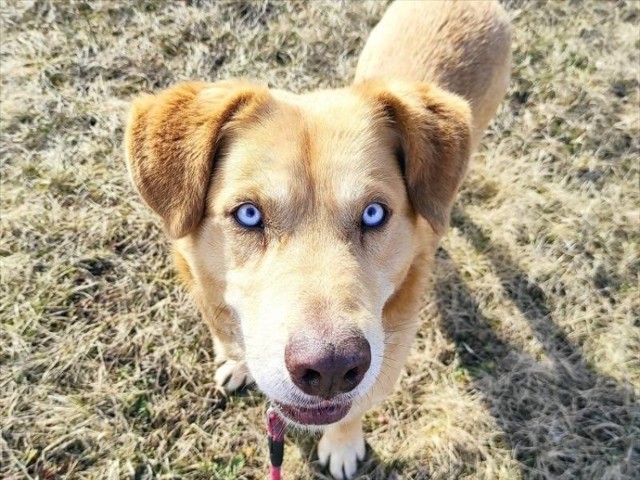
pixel 321 414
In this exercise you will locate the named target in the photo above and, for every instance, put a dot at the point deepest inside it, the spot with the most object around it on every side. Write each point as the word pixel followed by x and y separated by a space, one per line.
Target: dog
pixel 304 225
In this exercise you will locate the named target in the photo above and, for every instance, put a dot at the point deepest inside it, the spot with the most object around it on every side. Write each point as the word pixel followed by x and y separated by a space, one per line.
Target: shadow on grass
pixel 560 418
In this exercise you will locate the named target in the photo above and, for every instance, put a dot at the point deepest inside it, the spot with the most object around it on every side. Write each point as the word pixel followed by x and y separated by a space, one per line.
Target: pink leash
pixel 275 427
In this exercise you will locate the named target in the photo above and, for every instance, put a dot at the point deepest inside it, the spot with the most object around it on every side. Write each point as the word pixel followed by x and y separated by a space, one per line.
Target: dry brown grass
pixel 528 362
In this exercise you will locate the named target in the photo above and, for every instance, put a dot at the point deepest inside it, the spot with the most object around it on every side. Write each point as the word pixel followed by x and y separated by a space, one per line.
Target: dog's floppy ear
pixel 434 128
pixel 171 140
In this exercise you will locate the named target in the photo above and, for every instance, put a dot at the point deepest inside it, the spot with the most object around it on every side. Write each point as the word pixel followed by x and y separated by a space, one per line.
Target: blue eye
pixel 373 215
pixel 248 215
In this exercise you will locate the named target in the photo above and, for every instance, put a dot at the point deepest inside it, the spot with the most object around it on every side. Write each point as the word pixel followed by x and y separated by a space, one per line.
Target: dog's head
pixel 306 212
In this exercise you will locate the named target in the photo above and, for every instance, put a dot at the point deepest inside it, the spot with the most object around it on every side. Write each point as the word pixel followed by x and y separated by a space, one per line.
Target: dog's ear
pixel 171 141
pixel 434 128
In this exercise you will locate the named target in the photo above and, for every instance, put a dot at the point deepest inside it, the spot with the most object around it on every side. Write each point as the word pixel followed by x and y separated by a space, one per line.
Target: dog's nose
pixel 319 367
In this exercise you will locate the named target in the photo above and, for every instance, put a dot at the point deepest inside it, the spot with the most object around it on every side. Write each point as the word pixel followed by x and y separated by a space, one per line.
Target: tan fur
pixel 462 46
pixel 312 163
pixel 434 130
pixel 170 142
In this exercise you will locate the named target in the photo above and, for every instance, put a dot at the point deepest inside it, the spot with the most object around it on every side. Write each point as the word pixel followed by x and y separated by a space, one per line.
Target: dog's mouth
pixel 323 413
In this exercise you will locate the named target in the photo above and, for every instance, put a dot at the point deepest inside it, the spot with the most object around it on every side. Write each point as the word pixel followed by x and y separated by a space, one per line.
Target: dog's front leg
pixel 232 372
pixel 342 447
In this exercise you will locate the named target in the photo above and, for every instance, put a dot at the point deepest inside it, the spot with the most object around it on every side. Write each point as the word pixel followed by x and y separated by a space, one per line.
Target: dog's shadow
pixel 560 417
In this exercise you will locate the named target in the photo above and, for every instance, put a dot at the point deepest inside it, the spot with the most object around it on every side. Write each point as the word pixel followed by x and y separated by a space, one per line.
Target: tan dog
pixel 304 225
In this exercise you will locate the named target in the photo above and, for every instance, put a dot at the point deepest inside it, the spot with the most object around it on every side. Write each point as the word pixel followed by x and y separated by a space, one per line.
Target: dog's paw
pixel 341 453
pixel 232 375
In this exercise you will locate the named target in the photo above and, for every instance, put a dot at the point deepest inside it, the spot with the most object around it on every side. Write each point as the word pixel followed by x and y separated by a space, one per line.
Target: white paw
pixel 341 454
pixel 232 375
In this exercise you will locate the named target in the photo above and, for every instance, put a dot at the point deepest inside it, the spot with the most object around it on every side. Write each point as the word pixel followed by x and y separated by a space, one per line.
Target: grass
pixel 528 361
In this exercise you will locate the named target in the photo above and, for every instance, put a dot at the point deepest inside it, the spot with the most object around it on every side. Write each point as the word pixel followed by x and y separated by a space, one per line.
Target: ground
pixel 527 364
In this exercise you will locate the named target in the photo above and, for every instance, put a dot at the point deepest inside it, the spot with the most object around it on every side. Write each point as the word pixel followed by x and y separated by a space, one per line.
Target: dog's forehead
pixel 331 140
pixel 352 148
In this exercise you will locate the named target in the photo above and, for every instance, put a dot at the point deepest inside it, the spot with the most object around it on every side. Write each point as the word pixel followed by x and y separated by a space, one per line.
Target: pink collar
pixel 275 428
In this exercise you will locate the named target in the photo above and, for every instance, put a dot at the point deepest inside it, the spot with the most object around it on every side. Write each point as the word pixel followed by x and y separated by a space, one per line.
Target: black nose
pixel 324 368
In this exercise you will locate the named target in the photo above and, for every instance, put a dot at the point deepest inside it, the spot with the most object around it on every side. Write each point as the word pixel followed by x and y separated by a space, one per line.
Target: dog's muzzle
pixel 326 367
